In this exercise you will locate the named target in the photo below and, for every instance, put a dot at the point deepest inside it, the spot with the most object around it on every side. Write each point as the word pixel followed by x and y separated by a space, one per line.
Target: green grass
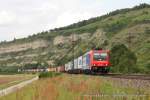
pixel 48 74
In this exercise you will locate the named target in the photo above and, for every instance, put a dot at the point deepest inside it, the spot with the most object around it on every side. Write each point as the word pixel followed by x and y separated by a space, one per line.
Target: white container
pixel 86 61
pixel 75 63
pixel 66 67
pixel 80 62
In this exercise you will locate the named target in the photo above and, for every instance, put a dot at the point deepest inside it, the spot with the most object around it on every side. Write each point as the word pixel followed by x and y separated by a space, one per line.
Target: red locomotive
pixel 92 61
pixel 100 60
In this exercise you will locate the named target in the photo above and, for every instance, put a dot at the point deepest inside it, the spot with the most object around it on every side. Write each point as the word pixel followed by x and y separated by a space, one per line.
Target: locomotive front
pixel 100 61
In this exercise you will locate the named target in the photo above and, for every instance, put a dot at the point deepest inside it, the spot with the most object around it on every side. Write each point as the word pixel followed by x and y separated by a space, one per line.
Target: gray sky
pixel 20 18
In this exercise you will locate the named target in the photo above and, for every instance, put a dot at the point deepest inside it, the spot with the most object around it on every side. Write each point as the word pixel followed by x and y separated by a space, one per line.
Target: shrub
pixel 9 69
pixel 147 31
pixel 147 68
pixel 122 59
pixel 48 74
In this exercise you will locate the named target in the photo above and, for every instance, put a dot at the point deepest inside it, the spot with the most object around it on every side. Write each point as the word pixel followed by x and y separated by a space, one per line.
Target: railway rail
pixel 125 76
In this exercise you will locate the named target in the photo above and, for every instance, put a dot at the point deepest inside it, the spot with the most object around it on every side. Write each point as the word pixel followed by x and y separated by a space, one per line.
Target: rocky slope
pixel 55 47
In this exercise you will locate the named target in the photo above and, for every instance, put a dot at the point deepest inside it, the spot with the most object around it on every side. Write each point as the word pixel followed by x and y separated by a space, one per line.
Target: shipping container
pixel 86 61
pixel 80 62
pixel 70 65
pixel 75 64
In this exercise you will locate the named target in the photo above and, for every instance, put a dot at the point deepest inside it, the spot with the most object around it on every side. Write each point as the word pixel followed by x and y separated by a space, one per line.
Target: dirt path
pixel 14 88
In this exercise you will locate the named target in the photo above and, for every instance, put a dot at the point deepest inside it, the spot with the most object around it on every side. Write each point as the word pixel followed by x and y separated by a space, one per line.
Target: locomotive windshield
pixel 100 56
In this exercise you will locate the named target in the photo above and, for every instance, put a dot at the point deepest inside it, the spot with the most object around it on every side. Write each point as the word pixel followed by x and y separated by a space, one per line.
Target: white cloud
pixel 6 18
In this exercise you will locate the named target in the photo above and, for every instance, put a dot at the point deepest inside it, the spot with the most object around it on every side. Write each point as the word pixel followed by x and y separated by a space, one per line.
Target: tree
pixel 123 60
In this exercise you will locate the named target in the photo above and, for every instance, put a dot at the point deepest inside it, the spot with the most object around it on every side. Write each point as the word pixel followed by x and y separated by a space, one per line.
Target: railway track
pixel 126 76
pixel 122 76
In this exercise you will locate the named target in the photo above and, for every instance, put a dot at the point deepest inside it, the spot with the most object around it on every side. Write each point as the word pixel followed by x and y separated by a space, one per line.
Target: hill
pixel 130 27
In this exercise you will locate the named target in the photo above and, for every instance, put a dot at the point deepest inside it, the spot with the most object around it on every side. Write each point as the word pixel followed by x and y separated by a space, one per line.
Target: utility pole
pixel 73 49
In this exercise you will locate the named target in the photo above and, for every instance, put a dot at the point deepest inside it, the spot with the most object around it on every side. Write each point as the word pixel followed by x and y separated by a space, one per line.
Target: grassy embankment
pixel 82 87
pixel 10 80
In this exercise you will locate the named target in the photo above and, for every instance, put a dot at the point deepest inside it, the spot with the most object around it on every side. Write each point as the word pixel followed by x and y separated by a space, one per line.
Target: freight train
pixel 92 61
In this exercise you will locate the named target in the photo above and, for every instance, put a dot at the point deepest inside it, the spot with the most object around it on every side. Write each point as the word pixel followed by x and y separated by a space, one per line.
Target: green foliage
pixel 116 26
pixel 147 31
pixel 144 5
pixel 8 69
pixel 48 74
pixel 35 65
pixel 122 59
pixel 148 66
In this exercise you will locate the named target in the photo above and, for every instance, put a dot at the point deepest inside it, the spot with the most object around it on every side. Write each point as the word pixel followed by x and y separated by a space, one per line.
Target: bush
pixel 123 60
pixel 9 69
pixel 48 74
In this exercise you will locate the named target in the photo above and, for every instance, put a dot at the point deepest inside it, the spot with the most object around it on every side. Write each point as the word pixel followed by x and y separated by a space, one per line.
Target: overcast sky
pixel 20 18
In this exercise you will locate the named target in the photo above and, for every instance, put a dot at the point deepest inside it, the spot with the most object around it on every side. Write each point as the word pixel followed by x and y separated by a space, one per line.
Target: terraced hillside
pixel 130 27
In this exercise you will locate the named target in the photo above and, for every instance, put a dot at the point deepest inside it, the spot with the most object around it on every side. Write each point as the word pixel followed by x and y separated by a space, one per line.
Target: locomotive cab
pixel 100 61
